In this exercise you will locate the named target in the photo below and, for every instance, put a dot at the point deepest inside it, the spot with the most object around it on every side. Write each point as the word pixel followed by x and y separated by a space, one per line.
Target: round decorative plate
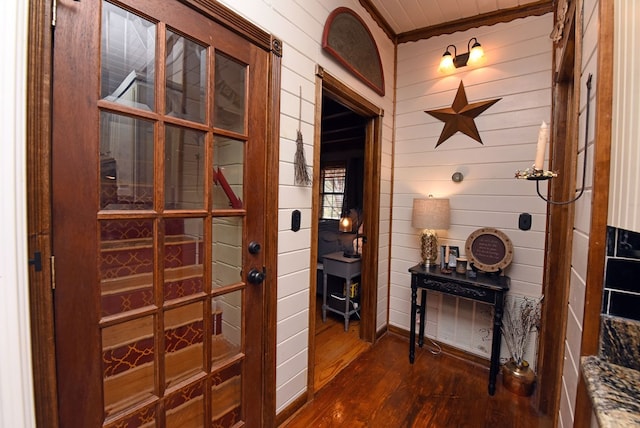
pixel 489 249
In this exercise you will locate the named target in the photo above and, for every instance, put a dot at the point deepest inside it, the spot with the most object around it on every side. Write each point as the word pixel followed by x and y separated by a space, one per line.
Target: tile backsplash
pixel 622 277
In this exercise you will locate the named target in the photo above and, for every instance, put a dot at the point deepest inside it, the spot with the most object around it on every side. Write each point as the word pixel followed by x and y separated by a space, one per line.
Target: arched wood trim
pixel 366 65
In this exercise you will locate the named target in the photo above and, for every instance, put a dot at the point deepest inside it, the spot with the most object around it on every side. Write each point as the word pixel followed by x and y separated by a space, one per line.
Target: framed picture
pixel 448 256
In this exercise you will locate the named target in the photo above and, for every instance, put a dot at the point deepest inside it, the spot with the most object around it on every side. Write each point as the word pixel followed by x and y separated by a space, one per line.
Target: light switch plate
pixel 524 221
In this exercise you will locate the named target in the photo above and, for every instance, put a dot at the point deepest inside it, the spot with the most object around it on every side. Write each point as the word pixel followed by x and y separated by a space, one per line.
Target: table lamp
pixel 346 225
pixel 430 214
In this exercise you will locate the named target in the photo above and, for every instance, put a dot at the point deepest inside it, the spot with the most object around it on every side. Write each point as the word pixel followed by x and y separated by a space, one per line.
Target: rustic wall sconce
pixel 537 172
pixel 473 54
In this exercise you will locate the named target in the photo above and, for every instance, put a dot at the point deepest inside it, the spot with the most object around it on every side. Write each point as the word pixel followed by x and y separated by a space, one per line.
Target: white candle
pixel 446 255
pixel 543 137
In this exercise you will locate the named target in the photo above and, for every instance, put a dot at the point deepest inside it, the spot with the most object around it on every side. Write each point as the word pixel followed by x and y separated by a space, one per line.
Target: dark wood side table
pixel 487 288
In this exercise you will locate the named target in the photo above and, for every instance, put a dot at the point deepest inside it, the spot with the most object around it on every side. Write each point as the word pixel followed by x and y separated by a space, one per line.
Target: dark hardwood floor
pixel 335 348
pixel 381 389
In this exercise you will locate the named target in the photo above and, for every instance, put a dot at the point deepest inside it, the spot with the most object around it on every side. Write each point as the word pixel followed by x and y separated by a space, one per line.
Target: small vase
pixel 518 379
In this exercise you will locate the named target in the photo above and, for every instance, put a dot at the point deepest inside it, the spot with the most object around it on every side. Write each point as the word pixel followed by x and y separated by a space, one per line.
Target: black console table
pixel 487 288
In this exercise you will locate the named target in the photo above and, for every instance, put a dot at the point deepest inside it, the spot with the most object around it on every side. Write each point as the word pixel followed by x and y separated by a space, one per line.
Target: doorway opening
pixel 337 332
pixel 346 184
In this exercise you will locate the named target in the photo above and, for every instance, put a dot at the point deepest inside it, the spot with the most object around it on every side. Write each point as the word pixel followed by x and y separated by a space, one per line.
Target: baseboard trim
pixel 381 332
pixel 446 349
pixel 291 409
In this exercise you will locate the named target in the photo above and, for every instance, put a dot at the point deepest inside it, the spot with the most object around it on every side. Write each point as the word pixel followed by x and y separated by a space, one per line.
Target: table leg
pixel 412 324
pixel 423 311
pixel 495 345
pixel 324 295
pixel 347 300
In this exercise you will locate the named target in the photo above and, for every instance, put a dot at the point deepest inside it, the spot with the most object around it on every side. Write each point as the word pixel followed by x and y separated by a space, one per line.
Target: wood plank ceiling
pixel 409 20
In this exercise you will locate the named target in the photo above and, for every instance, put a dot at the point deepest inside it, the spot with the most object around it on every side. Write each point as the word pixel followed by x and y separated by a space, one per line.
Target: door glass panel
pixel 183 255
pixel 226 252
pixel 128 364
pixel 143 418
pixel 228 172
pixel 128 58
pixel 126 265
pixel 230 93
pixel 185 408
pixel 183 342
pixel 226 310
pixel 226 394
pixel 186 71
pixel 126 163
pixel 184 175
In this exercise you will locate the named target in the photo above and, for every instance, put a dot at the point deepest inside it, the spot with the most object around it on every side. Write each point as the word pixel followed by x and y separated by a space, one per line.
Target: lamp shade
pixel 430 213
pixel 345 224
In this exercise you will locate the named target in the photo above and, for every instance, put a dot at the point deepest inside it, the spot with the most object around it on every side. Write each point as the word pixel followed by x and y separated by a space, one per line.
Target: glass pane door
pixel 166 220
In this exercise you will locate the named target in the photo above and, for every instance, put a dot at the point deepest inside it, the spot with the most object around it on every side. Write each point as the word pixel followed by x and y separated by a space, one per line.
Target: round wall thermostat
pixel 457 177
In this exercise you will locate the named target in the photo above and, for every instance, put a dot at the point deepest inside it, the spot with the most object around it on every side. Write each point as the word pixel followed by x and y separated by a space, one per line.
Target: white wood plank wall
pixel 299 24
pixel 16 376
pixel 517 69
pixel 624 200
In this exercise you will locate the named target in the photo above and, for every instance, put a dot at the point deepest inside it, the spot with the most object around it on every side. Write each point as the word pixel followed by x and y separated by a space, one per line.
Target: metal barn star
pixel 459 117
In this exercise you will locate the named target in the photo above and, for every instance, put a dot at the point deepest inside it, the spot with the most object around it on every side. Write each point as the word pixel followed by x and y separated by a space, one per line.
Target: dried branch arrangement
pixel 521 318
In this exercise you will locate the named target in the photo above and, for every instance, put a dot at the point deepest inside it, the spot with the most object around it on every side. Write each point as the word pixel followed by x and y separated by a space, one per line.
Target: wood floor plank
pixel 381 389
pixel 335 349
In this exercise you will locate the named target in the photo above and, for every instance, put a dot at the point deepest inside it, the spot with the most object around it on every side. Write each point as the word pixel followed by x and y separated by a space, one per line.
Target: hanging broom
pixel 301 176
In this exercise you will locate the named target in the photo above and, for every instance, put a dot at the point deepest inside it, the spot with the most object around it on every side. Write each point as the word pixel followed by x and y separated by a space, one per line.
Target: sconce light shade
pixel 473 54
pixel 476 52
pixel 430 214
pixel 446 63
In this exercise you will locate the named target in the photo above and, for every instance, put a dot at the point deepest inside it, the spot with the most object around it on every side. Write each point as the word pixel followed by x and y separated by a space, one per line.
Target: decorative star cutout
pixel 459 117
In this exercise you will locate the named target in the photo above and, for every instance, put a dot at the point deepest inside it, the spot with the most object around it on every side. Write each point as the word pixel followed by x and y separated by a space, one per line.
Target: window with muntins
pixel 333 180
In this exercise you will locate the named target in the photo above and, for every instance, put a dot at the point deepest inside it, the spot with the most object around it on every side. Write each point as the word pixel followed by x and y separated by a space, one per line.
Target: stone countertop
pixel 614 392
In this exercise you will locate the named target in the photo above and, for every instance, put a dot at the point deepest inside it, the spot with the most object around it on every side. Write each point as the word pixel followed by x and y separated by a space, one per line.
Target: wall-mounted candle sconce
pixel 537 172
pixel 473 54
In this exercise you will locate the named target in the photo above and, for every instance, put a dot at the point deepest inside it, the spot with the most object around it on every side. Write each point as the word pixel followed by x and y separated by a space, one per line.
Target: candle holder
pixel 535 174
pixel 539 175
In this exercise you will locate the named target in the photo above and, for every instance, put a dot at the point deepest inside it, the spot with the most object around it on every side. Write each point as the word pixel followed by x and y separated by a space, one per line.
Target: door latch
pixel 255 276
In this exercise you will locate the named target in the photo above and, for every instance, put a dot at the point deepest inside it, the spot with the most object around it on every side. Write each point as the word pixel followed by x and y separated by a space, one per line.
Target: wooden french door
pixel 158 172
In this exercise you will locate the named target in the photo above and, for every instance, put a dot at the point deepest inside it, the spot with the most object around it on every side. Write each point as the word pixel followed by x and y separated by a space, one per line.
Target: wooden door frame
pixel 560 218
pixel 39 126
pixel 328 84
pixel 39 81
pixel 552 336
pixel 600 203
